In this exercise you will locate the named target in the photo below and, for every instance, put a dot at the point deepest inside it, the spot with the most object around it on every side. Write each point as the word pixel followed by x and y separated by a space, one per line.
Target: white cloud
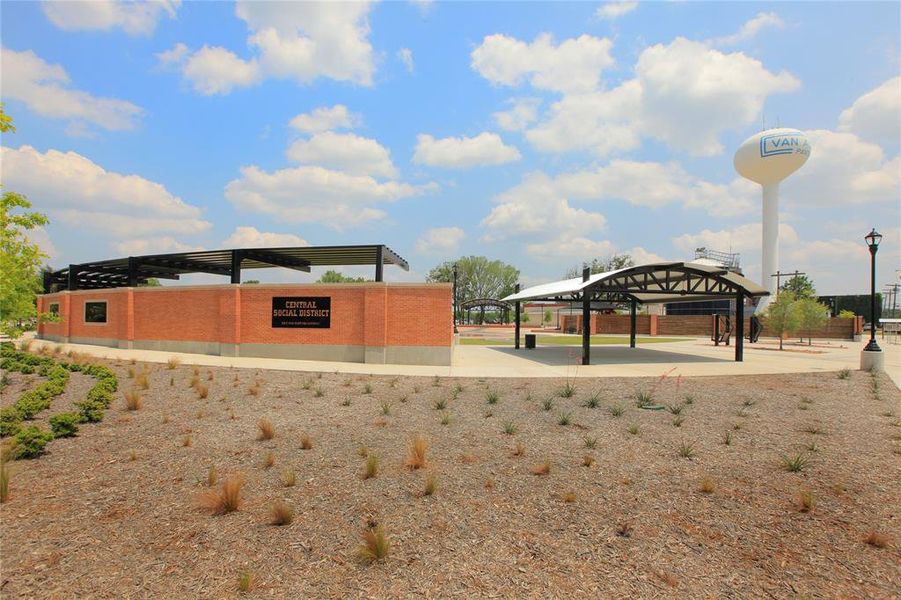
pixel 690 93
pixel 843 171
pixel 43 88
pixel 174 56
pixel 573 249
pixel 156 245
pixel 134 18
pixel 218 71
pixel 536 206
pixel 406 56
pixel 684 94
pixel 39 236
pixel 251 237
pixel 464 152
pixel 876 115
pixel 300 41
pixel 325 119
pixel 751 28
pixel 313 194
pixel 604 123
pixel 444 241
pixel 614 10
pixel 743 238
pixel 80 192
pixel 647 184
pixel 523 112
pixel 574 65
pixel 346 152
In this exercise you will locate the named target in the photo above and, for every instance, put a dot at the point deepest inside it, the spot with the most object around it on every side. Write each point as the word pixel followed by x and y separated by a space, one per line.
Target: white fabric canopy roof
pixel 651 283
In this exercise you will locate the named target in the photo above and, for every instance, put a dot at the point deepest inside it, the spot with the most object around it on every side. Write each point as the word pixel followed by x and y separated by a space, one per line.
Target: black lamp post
pixel 873 238
pixel 455 298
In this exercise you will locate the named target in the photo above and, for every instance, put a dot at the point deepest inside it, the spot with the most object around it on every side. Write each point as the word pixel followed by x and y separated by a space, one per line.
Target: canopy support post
pixel 586 320
pixel 632 323
pixel 379 262
pixel 516 325
pixel 236 266
pixel 740 326
pixel 132 271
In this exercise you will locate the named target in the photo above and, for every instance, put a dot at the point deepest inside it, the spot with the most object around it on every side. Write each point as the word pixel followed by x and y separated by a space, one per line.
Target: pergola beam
pixel 270 258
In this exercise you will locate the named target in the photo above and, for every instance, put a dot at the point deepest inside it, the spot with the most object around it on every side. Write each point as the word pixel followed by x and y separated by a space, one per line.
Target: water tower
pixel 767 158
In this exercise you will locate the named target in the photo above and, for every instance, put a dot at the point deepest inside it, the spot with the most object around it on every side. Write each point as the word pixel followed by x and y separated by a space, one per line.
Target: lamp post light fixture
pixel 873 238
pixel 872 358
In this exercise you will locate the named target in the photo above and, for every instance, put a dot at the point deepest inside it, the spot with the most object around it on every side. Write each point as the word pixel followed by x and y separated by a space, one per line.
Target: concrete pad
pixel 690 358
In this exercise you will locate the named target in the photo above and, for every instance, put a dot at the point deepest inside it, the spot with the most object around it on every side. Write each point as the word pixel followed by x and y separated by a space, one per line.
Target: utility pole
pixel 779 275
pixel 892 290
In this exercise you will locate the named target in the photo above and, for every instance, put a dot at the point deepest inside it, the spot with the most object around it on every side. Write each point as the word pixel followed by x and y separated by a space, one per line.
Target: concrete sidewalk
pixel 689 358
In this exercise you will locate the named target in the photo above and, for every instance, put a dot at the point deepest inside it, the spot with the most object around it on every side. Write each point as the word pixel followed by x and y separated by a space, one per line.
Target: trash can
pixel 530 341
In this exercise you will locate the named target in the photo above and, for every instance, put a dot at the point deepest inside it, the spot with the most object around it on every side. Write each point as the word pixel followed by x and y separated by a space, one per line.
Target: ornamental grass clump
pixel 492 396
pixel 267 430
pixel 416 454
pixel 371 469
pixel 280 514
pixel 133 400
pixel 796 463
pixel 224 500
pixel 375 546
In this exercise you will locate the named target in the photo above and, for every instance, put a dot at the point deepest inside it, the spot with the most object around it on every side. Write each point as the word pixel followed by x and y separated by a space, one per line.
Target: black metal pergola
pixel 131 271
pixel 645 284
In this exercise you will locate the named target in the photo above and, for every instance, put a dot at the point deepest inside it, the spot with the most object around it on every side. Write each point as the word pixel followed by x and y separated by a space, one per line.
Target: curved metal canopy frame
pixel 649 283
pixel 479 302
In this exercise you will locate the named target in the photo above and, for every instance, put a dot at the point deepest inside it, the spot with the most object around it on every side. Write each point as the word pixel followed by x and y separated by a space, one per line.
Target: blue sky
pixel 543 134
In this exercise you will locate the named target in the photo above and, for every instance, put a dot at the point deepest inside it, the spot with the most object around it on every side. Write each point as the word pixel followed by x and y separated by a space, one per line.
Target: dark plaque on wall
pixel 302 311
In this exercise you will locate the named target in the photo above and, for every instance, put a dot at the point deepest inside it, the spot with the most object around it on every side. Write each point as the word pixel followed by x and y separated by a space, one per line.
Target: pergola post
pixel 516 318
pixel 632 322
pixel 236 266
pixel 73 278
pixel 740 326
pixel 132 271
pixel 379 262
pixel 586 320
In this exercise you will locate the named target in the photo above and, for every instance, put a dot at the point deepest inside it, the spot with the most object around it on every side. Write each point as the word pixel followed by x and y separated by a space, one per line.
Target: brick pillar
pixel 127 337
pixel 375 323
pixel 230 321
pixel 65 307
pixel 652 324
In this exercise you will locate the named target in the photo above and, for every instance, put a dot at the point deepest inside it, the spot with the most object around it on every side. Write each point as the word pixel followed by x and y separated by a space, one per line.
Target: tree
pixel 336 277
pixel 602 265
pixel 20 259
pixel 800 285
pixel 20 263
pixel 548 316
pixel 781 317
pixel 477 277
pixel 251 282
pixel 811 315
pixel 151 282
pixel 6 122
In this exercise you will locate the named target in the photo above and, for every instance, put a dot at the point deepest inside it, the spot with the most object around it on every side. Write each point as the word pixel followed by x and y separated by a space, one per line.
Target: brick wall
pixel 365 314
pixel 692 325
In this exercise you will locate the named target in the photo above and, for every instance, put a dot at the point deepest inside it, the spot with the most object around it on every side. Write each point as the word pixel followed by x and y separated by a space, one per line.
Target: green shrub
pixel 10 419
pixel 30 442
pixel 31 403
pixel 90 411
pixel 64 424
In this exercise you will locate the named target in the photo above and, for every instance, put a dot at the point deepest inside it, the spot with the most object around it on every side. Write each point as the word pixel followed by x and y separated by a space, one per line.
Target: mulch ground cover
pixel 694 500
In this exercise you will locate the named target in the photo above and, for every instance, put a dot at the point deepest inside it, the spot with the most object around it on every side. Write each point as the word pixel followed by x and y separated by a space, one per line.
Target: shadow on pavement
pixel 603 355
